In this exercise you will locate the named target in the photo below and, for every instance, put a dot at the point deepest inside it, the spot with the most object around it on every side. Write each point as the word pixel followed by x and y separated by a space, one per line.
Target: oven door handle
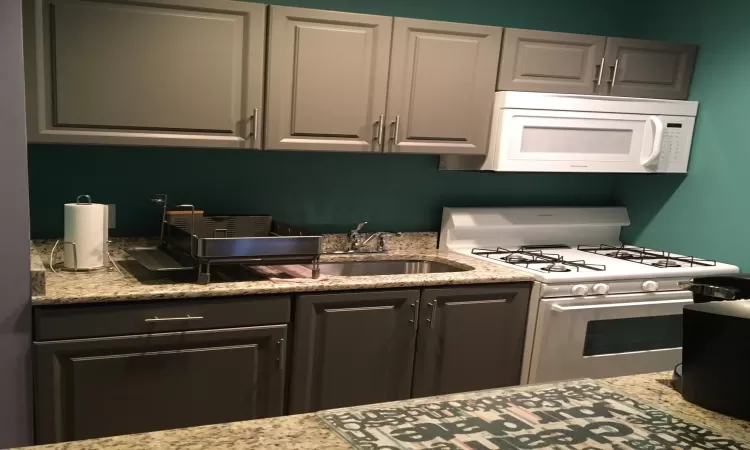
pixel 561 308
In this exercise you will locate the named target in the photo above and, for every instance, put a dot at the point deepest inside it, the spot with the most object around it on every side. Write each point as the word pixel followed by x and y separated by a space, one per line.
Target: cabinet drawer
pixel 79 321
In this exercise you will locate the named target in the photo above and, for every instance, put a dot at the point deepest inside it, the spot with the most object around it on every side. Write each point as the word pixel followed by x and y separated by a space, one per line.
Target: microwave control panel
pixel 671 151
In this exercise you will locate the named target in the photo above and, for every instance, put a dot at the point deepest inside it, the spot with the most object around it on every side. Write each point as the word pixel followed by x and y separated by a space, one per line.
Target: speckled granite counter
pixel 38 273
pixel 305 431
pixel 137 283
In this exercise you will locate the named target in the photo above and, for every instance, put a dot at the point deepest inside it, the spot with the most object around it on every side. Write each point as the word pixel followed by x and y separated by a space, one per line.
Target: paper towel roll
pixel 86 224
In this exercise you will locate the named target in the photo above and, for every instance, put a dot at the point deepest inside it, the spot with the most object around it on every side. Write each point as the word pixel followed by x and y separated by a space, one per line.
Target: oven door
pixel 573 141
pixel 596 337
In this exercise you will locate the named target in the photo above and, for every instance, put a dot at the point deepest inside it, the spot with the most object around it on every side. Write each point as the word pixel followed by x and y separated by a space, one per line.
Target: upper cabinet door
pixel 543 61
pixel 441 86
pixel 327 79
pixel 152 72
pixel 649 69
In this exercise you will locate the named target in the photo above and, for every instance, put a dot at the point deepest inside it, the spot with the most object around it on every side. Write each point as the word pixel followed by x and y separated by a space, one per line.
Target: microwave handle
pixel 658 140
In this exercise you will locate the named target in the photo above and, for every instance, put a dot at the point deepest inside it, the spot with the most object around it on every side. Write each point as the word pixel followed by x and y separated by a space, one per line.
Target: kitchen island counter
pixel 306 431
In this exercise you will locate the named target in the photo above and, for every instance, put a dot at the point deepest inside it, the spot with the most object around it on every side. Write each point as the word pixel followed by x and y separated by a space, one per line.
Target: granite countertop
pixel 137 283
pixel 305 431
pixel 38 273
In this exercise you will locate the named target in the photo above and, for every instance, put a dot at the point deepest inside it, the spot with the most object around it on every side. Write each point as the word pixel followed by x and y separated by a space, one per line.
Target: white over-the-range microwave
pixel 536 132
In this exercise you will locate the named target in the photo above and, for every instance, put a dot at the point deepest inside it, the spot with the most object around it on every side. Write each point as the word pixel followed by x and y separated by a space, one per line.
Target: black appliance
pixel 715 369
pixel 719 287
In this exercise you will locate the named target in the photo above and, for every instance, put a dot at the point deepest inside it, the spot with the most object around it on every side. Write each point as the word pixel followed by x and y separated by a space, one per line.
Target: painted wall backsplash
pixel 707 212
pixel 325 192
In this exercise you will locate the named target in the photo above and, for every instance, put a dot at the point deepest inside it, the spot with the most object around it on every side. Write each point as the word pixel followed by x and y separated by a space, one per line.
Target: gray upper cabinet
pixel 650 69
pixel 353 349
pixel 441 85
pixel 151 72
pixel 470 338
pixel 543 61
pixel 327 79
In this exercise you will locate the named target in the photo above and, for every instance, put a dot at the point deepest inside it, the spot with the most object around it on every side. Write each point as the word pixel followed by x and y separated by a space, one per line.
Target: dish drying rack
pixel 191 241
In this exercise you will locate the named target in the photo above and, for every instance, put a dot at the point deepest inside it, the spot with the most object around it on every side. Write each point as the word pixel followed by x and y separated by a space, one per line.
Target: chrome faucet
pixel 356 242
pixel 355 238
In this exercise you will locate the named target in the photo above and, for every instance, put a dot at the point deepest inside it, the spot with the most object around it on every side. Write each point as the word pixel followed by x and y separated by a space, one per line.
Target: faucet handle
pixel 382 240
pixel 359 227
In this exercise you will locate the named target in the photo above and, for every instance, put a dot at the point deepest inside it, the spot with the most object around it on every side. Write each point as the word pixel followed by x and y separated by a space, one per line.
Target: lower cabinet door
pixel 89 388
pixel 470 338
pixel 353 349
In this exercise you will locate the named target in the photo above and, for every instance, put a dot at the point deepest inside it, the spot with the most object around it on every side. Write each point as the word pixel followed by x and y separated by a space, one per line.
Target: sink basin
pixel 391 267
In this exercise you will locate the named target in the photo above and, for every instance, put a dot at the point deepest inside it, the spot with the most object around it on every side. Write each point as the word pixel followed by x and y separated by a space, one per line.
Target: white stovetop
pixel 616 269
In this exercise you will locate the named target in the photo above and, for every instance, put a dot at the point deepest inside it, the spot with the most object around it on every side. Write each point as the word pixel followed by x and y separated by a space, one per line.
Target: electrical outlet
pixel 111 216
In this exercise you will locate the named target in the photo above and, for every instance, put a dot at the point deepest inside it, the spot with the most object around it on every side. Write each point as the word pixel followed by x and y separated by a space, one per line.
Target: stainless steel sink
pixel 390 267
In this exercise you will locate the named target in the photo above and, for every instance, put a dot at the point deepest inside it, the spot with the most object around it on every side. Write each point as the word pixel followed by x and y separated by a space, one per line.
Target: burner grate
pixel 642 255
pixel 532 257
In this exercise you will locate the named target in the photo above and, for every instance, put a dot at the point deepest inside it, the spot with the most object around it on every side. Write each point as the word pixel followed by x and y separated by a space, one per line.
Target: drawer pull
pixel 171 319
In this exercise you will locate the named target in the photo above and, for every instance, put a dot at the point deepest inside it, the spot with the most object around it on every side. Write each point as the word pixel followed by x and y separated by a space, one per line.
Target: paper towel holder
pixel 79 202
pixel 83 200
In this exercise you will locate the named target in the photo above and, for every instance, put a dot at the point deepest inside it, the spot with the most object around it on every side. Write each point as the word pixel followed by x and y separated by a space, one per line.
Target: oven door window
pixel 636 334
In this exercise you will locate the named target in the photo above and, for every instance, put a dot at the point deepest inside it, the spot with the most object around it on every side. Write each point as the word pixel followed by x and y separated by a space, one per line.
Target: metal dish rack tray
pixel 200 245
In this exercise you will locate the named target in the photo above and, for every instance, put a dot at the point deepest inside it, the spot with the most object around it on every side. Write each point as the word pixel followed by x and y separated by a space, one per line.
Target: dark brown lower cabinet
pixel 353 349
pixel 470 338
pixel 88 388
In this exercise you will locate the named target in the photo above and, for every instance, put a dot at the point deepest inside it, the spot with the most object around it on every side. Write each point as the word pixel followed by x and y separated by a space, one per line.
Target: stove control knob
pixel 580 289
pixel 650 286
pixel 601 289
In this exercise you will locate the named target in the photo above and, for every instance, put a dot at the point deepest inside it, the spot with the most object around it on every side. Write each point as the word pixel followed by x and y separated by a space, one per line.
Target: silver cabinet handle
pixel 172 319
pixel 413 320
pixel 282 354
pixel 614 73
pixel 380 131
pixel 434 307
pixel 255 127
pixel 395 124
pixel 601 70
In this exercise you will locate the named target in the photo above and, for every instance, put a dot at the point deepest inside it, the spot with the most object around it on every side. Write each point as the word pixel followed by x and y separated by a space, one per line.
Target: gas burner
pixel 621 255
pixel 642 255
pixel 556 268
pixel 517 259
pixel 665 263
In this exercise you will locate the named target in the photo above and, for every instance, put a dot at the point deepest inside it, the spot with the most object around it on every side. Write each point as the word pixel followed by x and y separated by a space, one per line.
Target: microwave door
pixel 570 141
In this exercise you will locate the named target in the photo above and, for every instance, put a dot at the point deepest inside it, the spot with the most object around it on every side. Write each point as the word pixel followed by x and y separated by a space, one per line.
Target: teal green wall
pixel 707 212
pixel 325 192
pixel 322 191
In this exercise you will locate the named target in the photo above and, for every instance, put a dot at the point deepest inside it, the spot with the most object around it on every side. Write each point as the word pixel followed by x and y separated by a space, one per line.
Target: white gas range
pixel 598 308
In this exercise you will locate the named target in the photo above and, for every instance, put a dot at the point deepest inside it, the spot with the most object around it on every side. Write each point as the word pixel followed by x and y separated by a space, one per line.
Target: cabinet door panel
pixel 543 61
pixel 649 69
pixel 441 86
pixel 327 79
pixel 99 387
pixel 164 72
pixel 470 339
pixel 353 349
